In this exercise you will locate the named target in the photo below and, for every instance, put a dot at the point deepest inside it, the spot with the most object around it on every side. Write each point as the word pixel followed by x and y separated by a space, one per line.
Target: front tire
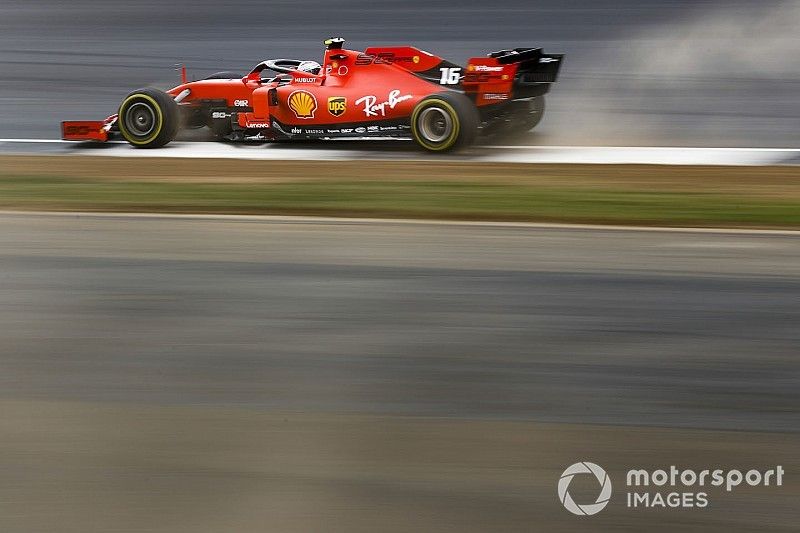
pixel 443 122
pixel 148 118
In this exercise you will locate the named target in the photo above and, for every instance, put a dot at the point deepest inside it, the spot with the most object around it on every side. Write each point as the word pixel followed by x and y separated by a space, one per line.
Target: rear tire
pixel 445 121
pixel 148 118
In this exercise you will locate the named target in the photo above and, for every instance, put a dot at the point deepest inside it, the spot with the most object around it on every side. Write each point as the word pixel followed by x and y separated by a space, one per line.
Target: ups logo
pixel 337 105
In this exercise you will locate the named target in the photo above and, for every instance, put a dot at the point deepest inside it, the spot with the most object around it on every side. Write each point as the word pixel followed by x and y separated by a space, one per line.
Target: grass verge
pixel 530 193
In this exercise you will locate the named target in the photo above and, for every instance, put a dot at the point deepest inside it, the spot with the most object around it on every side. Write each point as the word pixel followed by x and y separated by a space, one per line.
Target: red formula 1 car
pixel 396 91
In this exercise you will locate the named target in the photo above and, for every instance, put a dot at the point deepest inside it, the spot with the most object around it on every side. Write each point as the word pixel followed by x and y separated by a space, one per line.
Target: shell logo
pixel 303 103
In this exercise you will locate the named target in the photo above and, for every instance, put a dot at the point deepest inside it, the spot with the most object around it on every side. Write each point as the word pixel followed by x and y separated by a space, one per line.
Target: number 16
pixel 450 75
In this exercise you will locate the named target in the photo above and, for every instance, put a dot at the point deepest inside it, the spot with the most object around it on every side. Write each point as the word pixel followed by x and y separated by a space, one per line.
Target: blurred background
pixel 638 72
pixel 205 375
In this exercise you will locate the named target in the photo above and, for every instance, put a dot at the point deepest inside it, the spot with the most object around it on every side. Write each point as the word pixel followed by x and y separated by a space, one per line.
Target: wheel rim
pixel 435 124
pixel 140 119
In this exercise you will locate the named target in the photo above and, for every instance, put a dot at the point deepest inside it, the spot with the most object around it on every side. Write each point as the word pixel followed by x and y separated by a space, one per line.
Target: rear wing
pixel 515 74
pixel 503 75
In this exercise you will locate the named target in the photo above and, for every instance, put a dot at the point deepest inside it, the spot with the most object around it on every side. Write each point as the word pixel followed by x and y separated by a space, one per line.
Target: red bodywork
pixel 355 93
pixel 87 130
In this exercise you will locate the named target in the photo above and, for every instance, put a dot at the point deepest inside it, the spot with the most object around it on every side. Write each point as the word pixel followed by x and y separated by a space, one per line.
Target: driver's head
pixel 311 67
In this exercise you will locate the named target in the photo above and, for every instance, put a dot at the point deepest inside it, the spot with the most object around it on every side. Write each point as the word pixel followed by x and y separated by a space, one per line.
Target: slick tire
pixel 444 122
pixel 148 118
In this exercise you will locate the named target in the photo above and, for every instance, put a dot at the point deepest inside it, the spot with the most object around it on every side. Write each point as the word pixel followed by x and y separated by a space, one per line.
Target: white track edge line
pixel 399 221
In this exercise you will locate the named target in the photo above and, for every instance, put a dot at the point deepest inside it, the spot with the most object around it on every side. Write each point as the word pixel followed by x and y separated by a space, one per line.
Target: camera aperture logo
pixel 589 508
pixel 668 488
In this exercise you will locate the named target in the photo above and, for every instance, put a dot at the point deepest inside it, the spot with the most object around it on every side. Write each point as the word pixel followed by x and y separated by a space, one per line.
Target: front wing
pixel 87 130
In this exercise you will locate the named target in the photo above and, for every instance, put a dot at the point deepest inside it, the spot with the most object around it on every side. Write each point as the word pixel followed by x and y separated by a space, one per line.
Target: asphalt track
pixel 477 321
pixel 638 72
pixel 218 373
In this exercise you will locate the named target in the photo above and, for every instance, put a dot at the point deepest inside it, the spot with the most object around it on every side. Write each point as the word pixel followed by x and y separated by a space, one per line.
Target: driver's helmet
pixel 309 66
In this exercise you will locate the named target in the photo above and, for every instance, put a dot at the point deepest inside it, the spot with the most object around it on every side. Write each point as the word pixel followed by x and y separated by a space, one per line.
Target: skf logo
pixel 303 103
pixel 337 105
